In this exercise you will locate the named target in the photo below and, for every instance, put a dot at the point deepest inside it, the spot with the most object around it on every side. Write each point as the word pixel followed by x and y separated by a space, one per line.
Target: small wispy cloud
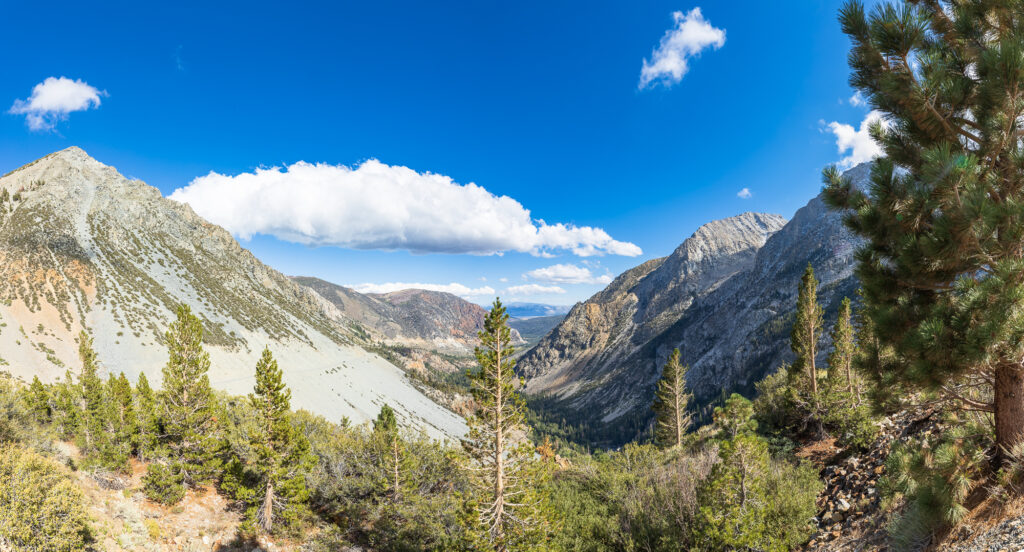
pixel 567 274
pixel 856 100
pixel 745 193
pixel 453 288
pixel 53 99
pixel 670 61
pixel 179 62
pixel 533 289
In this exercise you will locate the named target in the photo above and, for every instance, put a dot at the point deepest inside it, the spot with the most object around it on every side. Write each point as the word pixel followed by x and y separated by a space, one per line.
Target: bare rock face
pixel 82 247
pixel 725 298
pixel 412 317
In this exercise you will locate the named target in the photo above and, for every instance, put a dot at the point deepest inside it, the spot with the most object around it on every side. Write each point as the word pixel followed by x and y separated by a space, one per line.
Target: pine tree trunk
pixel 394 445
pixel 499 458
pixel 812 351
pixel 679 415
pixel 268 508
pixel 1009 407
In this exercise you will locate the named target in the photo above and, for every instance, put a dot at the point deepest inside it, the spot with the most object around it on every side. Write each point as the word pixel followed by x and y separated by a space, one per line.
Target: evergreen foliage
pixel 671 404
pixel 122 423
pixel 935 480
pixel 92 402
pixel 807 330
pixel 16 420
pixel 147 419
pixel 98 431
pixel 66 414
pixel 942 264
pixel 847 415
pixel 751 501
pixel 385 430
pixel 270 480
pixel 163 483
pixel 350 484
pixel 509 511
pixel 841 376
pixel 39 401
pixel 191 432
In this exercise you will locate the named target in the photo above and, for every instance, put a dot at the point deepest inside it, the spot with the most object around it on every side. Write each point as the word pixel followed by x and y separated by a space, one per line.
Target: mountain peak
pixel 728 235
pixel 84 248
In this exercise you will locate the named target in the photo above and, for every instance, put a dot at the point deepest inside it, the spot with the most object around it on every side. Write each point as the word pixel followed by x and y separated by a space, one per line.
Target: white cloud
pixel 533 289
pixel 567 274
pixel 745 193
pixel 502 279
pixel 856 100
pixel 379 206
pixel 53 99
pixel 670 60
pixel 453 288
pixel 857 142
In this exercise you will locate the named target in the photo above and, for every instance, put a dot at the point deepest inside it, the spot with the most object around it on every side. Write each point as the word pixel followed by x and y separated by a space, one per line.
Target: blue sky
pixel 544 103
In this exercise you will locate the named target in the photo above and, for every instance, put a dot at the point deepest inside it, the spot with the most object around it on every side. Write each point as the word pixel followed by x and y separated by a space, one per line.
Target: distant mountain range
pixel 82 247
pixel 414 317
pixel 725 298
pixel 533 310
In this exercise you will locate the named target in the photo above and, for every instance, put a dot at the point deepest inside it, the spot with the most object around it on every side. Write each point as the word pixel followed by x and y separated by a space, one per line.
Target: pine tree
pixel 942 265
pixel 273 486
pixel 124 423
pixel 147 419
pixel 671 403
pixel 92 401
pixel 509 511
pixel 840 360
pixel 807 329
pixel 187 402
pixel 65 407
pixel 735 500
pixel 39 401
pixel 385 428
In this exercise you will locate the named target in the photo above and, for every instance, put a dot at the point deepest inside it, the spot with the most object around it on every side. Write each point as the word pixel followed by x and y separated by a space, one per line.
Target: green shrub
pixel 638 498
pixel 935 477
pixel 164 484
pixel 774 408
pixel 40 507
pixel 350 485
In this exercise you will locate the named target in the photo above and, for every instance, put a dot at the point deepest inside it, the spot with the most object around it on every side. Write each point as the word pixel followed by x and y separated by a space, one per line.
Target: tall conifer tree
pixel 66 412
pixel 840 360
pixel 92 401
pixel 509 510
pixel 272 483
pixel 943 264
pixel 187 402
pixel 807 329
pixel 39 400
pixel 147 419
pixel 671 403
pixel 385 428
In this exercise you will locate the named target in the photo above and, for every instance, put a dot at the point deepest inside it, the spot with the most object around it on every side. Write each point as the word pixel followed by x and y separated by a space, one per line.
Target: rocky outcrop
pixel 82 247
pixel 411 317
pixel 725 298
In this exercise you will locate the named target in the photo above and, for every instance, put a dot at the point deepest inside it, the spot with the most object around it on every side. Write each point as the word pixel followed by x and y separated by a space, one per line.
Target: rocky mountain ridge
pixel 82 247
pixel 725 298
pixel 413 317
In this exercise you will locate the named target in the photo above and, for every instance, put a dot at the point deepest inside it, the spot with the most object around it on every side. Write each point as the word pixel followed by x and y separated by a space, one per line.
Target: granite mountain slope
pixel 725 298
pixel 82 247
pixel 418 318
